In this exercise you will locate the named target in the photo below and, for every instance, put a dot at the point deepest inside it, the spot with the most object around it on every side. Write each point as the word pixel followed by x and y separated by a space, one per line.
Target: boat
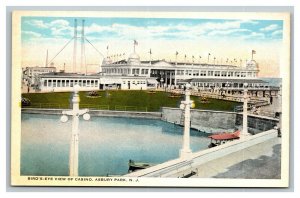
pixel 134 166
pixel 221 138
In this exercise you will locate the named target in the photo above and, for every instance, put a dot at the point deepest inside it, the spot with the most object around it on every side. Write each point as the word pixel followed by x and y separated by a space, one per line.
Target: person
pixel 271 99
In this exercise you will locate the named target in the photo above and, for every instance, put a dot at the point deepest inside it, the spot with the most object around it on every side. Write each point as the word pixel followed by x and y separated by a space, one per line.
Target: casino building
pixel 134 74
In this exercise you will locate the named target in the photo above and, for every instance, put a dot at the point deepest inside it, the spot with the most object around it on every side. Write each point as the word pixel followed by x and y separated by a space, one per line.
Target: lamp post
pixel 161 81
pixel 245 110
pixel 75 113
pixel 186 152
pixel 227 85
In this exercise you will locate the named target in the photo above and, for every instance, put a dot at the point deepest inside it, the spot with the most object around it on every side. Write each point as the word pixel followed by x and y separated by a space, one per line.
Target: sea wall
pixel 203 120
pixel 256 123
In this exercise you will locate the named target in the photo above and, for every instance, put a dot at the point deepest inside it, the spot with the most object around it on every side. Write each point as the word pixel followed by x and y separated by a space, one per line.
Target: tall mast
pixel 75 46
pixel 46 59
pixel 82 63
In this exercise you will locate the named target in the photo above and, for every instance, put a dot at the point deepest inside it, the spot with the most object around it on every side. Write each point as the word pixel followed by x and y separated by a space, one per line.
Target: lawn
pixel 134 100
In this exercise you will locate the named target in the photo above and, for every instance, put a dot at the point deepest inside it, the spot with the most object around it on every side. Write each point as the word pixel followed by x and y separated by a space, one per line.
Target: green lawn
pixel 139 100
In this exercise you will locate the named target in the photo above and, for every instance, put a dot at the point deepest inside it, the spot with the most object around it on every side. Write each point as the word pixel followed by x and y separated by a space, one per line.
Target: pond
pixel 105 144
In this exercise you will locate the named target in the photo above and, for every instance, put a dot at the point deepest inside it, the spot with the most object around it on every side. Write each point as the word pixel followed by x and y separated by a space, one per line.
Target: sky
pixel 223 39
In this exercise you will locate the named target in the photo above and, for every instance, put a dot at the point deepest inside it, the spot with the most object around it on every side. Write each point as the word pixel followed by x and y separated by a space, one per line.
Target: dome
pixel 134 56
pixel 134 59
pixel 106 61
pixel 251 64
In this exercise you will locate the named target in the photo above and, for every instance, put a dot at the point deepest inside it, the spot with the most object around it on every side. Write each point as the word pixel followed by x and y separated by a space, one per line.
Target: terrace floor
pixel 262 161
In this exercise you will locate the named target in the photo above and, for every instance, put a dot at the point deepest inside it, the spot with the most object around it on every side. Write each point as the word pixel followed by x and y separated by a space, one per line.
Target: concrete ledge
pixel 180 167
pixel 108 113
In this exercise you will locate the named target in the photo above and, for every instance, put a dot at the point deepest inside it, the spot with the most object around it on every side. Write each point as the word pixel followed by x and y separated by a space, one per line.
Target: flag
pixel 185 56
pixel 150 52
pixel 253 52
pixel 176 53
pixel 209 54
pixel 107 47
pixel 193 57
pixel 200 57
pixel 135 42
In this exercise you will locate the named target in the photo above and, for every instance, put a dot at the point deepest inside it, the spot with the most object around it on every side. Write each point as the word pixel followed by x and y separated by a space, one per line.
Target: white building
pixel 60 81
pixel 172 74
pixel 31 74
pixel 134 74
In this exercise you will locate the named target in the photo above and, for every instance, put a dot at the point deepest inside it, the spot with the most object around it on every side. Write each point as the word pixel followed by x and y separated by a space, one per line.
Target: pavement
pixel 261 161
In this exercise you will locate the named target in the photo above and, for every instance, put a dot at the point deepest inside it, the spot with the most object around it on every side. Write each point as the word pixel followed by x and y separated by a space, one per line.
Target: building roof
pixel 223 80
pixel 63 74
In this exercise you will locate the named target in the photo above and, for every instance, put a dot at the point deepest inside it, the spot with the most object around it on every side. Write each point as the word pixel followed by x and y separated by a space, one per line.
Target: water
pixel 105 144
pixel 276 82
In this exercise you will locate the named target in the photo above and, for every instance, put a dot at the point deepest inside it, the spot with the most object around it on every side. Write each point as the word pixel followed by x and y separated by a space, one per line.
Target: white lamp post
pixel 245 110
pixel 75 113
pixel 186 152
pixel 227 85
pixel 161 81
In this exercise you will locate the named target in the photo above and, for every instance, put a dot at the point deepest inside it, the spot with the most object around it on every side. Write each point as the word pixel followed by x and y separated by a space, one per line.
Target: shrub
pixel 25 102
pixel 93 93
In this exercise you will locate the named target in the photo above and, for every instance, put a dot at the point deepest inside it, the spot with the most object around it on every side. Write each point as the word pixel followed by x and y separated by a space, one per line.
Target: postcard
pixel 156 99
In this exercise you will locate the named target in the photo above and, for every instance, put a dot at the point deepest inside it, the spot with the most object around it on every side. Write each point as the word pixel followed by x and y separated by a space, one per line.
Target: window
pixel 230 74
pixel 217 73
pixel 67 83
pixel 210 73
pixel 80 83
pixel 71 83
pixel 92 83
pixel 96 83
pixel 188 72
pixel 54 83
pixel 243 74
pixel 88 83
pixel 84 83
pixel 63 83
pixel 58 83
pixel 45 83
pixel 223 73
pixel 195 72
pixel 203 73
pixel 49 83
pixel 146 71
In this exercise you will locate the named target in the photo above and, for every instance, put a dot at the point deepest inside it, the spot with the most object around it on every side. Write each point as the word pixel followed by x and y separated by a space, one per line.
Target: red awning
pixel 225 136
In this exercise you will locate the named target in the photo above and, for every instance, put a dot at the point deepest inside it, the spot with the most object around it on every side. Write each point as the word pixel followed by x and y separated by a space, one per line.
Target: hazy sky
pixel 223 39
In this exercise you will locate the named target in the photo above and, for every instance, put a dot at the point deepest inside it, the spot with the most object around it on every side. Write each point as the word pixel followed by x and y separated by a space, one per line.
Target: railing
pixel 88 106
pixel 130 108
pixel 97 107
pixel 49 105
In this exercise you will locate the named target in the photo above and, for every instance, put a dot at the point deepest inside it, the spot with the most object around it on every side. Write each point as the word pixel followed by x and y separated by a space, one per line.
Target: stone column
pixel 245 110
pixel 186 152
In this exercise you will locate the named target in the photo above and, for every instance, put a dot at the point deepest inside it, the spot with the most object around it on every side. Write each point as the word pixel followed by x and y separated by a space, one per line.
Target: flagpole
pixel 150 52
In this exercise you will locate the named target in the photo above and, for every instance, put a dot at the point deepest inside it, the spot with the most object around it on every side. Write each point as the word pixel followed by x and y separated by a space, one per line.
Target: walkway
pixel 261 161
